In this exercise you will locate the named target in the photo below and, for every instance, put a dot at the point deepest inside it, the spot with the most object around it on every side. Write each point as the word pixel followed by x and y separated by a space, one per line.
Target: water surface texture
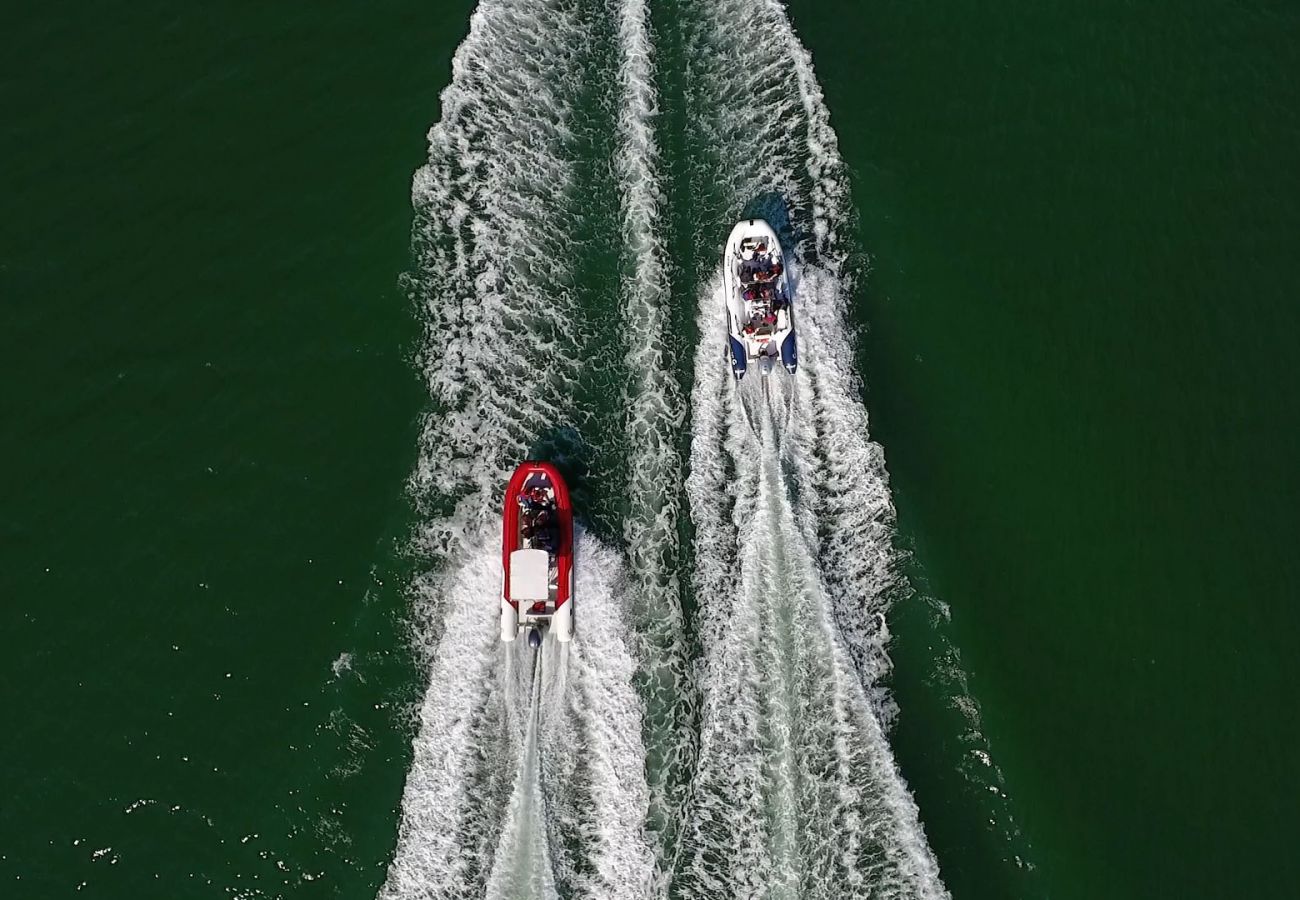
pixel 289 291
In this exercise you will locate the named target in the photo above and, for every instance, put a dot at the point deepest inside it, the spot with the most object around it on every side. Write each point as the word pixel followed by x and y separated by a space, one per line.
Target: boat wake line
pixel 753 76
pixel 528 770
pixel 654 410
pixel 527 777
pixel 796 792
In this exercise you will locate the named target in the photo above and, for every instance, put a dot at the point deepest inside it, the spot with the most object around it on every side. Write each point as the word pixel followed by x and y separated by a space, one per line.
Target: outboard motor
pixel 534 638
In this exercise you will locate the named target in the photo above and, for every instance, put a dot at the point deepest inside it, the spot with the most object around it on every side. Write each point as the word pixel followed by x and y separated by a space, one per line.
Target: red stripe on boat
pixel 563 515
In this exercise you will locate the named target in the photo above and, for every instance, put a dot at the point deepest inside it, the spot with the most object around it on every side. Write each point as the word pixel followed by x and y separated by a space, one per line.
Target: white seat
pixel 530 575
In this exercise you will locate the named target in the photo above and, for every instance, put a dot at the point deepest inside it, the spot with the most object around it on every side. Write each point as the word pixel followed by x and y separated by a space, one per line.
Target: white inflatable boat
pixel 760 319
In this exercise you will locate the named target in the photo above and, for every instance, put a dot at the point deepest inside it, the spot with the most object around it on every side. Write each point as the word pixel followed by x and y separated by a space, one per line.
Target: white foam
pixel 655 411
pixel 793 573
pixel 521 866
pixel 524 781
pixel 534 785
pixel 602 715
pixel 797 794
pixel 527 782
pixel 465 753
pixel 495 206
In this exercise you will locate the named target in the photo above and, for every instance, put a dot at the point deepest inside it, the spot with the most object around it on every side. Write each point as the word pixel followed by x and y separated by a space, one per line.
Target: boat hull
pixel 537 560
pixel 759 309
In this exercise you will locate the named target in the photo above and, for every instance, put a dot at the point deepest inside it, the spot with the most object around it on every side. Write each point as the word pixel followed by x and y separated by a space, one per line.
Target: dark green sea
pixel 270 342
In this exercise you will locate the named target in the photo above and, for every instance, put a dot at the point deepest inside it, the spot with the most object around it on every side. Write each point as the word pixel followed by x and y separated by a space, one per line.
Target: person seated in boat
pixel 546 534
pixel 534 498
pixel 546 540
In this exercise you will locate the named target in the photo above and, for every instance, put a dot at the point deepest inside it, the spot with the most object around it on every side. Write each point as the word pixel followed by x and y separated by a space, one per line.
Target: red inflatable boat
pixel 537 555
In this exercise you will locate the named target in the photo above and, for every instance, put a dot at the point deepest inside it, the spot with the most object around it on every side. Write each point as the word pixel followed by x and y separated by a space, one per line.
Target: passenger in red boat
pixel 534 498
pixel 545 535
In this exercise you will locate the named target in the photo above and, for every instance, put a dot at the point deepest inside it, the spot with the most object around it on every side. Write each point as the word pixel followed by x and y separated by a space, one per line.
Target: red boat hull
pixel 526 475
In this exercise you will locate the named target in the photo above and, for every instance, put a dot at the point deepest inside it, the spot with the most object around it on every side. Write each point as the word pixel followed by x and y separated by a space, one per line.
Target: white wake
pixel 797 793
pixel 528 772
pixel 495 208
pixel 654 409
pixel 529 775
pixel 528 769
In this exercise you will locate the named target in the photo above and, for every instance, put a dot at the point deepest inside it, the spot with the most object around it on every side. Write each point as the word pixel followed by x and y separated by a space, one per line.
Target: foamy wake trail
pixel 467 753
pixel 495 207
pixel 751 51
pixel 655 411
pixel 522 866
pixel 528 769
pixel 797 793
pixel 527 782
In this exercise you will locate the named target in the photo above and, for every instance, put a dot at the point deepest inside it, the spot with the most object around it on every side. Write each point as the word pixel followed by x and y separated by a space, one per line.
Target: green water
pixel 1081 356
pixel 1081 223
pixel 209 417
